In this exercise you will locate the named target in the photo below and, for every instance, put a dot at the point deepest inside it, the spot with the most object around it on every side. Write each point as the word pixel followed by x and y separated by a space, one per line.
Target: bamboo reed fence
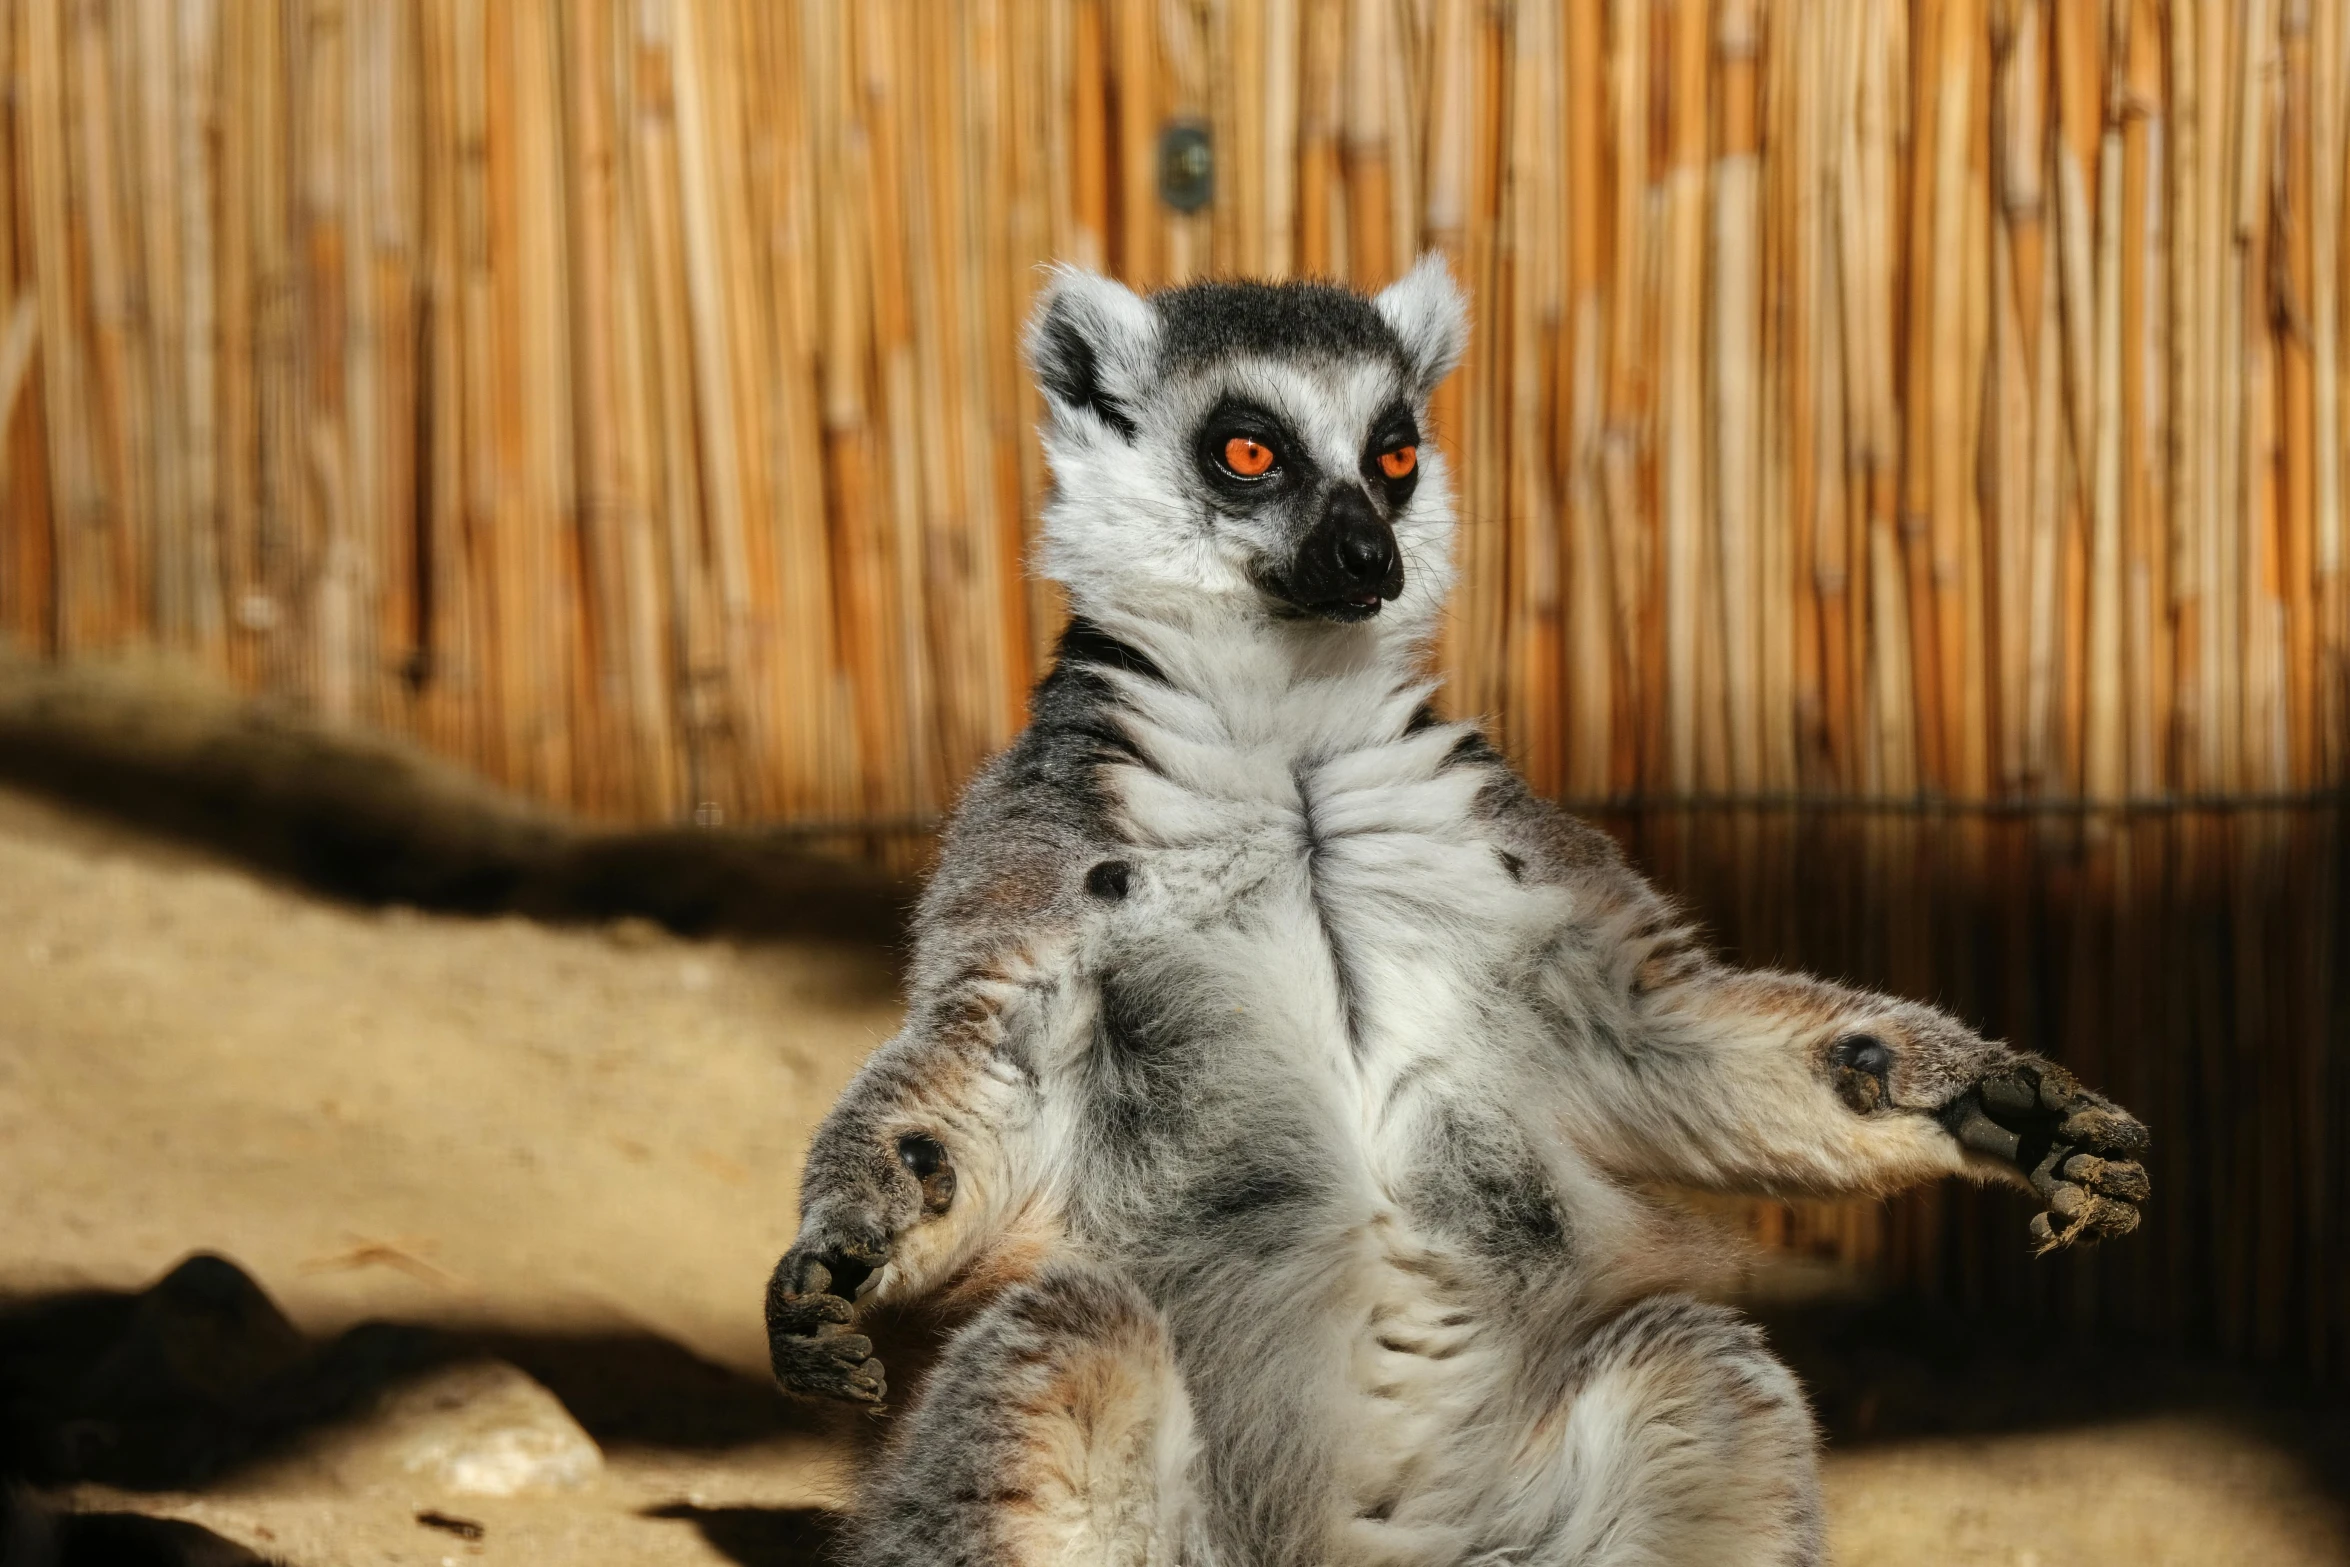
pixel 1931 404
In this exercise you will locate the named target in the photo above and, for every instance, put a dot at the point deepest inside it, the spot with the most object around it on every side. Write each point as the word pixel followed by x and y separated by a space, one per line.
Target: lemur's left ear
pixel 1429 313
pixel 1093 343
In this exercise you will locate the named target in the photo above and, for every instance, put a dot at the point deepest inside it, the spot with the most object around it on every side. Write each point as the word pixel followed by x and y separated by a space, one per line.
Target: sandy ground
pixel 580 1143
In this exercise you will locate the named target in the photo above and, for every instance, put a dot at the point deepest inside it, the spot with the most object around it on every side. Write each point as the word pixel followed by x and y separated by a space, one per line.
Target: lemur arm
pixel 1690 1071
pixel 910 1180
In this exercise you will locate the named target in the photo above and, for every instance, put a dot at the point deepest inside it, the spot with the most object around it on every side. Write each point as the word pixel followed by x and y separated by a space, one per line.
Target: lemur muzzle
pixel 1349 561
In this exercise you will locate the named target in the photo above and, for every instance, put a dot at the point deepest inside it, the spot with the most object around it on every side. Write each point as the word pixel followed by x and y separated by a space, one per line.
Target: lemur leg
pixel 1680 1440
pixel 1054 1430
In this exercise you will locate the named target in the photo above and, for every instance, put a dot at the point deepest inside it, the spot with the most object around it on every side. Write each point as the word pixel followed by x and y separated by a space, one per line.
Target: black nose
pixel 1362 546
pixel 1366 553
pixel 1346 564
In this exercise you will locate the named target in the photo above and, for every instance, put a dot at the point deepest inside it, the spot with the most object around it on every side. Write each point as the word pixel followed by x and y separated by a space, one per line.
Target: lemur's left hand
pixel 2078 1149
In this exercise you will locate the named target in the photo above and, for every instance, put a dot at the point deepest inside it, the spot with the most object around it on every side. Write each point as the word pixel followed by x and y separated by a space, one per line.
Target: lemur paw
pixel 879 1189
pixel 808 1341
pixel 2078 1149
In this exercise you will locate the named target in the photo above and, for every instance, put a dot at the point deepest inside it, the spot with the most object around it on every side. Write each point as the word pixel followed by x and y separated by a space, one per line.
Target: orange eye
pixel 1399 462
pixel 1250 459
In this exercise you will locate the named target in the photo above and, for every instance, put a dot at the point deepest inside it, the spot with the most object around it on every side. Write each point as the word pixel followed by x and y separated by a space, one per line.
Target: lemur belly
pixel 1366 961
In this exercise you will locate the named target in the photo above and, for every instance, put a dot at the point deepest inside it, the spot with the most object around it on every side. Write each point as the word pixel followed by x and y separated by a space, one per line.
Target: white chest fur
pixel 1342 889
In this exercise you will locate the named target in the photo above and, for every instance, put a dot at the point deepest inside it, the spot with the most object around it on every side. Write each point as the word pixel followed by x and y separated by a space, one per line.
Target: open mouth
pixel 1351 607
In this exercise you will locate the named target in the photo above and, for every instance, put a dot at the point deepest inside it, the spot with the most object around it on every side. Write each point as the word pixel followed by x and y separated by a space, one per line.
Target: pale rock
pixel 477 1428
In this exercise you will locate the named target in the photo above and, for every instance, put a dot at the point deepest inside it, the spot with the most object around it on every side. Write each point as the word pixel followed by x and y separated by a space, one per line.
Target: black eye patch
pixel 1246 452
pixel 1390 462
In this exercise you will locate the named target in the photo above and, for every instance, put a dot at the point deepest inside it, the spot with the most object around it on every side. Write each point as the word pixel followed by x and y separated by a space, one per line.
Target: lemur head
pixel 1248 448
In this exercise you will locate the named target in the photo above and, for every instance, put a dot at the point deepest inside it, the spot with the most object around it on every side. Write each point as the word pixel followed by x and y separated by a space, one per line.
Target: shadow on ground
pixel 370 820
pixel 185 1384
pixel 33 1536
pixel 200 1376
pixel 1901 1368
pixel 762 1536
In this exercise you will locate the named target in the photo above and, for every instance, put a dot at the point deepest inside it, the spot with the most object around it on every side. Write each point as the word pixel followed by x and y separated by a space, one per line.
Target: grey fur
pixel 1298 1074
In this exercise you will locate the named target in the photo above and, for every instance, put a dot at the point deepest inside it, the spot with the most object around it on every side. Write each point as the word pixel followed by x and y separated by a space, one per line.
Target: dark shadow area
pixel 2193 963
pixel 187 1382
pixel 1901 1368
pixel 761 1536
pixel 33 1536
pixel 369 820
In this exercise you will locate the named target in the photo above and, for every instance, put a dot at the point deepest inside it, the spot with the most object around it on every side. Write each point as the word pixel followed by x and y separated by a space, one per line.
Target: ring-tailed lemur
pixel 1284 1077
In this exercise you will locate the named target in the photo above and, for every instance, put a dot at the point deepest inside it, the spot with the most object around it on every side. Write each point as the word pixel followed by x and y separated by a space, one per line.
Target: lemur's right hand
pixel 808 1337
pixel 846 1236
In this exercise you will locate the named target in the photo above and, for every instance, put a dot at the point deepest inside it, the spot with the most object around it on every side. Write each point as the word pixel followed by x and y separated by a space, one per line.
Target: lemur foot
pixel 2078 1149
pixel 808 1338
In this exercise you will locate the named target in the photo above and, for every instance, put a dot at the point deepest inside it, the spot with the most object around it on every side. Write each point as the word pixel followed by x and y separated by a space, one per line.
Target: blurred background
pixel 512 533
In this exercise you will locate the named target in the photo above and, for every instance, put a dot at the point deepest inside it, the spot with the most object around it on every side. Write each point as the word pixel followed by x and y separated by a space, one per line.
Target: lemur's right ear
pixel 1092 342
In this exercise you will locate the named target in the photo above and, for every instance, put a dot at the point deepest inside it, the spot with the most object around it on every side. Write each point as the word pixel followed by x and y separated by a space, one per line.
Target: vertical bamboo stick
pixel 2147 656
pixel 2256 649
pixel 1134 40
pixel 2016 138
pixel 1370 250
pixel 2292 198
pixel 1182 83
pixel 1681 443
pixel 1944 465
pixel 614 662
pixel 2330 94
pixel 1531 223
pixel 80 595
pixel 1737 393
pixel 1320 239
pixel 2225 151
pixel 2080 103
pixel 2189 372
pixel 1591 628
pixel 1929 267
pixel 27 582
pixel 117 346
pixel 1243 78
pixel 1278 180
pixel 1089 134
pixel 2105 773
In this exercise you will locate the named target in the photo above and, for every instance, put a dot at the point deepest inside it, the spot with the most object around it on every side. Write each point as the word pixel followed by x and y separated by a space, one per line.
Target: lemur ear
pixel 1092 342
pixel 1429 313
